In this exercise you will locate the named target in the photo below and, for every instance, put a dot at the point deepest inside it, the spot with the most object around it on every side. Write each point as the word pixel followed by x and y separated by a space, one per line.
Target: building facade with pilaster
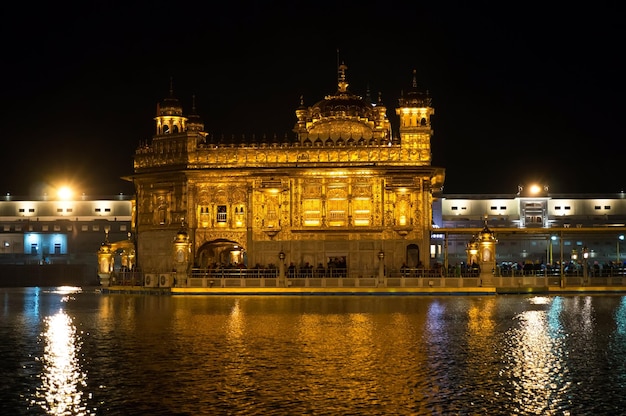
pixel 344 190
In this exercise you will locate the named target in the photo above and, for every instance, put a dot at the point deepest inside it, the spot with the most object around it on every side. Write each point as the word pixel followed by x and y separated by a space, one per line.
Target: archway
pixel 222 253
pixel 413 256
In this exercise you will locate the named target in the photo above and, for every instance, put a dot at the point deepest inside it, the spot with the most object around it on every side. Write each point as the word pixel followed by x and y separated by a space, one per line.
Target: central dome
pixel 342 116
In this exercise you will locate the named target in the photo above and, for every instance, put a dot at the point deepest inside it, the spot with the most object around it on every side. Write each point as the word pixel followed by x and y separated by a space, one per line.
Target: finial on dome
pixel 414 78
pixel 343 85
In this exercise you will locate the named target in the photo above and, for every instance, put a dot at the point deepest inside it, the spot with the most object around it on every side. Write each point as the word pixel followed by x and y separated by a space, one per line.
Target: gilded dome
pixel 341 116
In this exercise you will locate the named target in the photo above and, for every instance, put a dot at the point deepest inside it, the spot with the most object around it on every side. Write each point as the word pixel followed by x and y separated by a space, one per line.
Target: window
pixel 239 216
pixel 502 207
pixel 31 209
pixel 98 209
pixel 597 207
pixel 558 208
pixel 361 212
pixel 607 207
pixel 59 209
pixel 455 208
pixel 494 208
pixel 221 213
pixel 21 210
pixel 204 216
pixel 312 213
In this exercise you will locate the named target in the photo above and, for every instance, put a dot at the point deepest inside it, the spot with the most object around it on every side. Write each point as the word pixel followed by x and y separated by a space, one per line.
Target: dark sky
pixel 522 92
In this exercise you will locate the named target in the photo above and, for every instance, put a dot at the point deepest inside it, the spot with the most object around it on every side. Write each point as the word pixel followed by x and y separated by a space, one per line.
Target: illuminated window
pixel 240 219
pixel 312 212
pixel 361 209
pixel 337 206
pixel 204 218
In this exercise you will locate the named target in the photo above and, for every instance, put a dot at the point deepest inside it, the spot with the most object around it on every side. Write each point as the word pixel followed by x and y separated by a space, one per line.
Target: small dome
pixel 170 107
pixel 194 123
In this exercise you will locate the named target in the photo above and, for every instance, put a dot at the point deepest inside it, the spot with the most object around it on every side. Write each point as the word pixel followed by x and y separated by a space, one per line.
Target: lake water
pixel 66 351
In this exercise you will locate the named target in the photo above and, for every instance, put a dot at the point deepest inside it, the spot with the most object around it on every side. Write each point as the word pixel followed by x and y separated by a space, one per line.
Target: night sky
pixel 522 92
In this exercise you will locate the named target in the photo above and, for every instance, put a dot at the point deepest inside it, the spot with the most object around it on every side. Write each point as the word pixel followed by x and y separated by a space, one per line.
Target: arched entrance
pixel 413 256
pixel 221 252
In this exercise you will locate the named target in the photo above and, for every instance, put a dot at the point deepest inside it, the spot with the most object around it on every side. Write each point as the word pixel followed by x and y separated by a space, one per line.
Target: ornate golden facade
pixel 345 188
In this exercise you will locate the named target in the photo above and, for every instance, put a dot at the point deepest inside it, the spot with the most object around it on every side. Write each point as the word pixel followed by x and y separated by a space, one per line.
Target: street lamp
pixel 619 238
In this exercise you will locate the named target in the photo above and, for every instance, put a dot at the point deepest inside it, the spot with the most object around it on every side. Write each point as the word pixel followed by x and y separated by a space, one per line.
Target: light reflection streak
pixel 62 379
pixel 539 372
pixel 620 317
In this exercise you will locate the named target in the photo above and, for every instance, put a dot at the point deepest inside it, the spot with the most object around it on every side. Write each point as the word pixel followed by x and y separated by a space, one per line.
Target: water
pixel 66 351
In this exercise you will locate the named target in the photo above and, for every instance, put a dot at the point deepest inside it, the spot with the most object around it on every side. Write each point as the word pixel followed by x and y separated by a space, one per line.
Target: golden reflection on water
pixel 62 380
pixel 539 371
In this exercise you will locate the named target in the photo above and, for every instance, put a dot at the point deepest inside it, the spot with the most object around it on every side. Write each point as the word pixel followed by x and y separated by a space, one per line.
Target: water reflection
pixel 538 369
pixel 62 380
pixel 236 355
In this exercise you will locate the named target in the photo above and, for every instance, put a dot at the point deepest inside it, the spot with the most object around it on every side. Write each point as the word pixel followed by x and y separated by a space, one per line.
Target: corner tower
pixel 416 131
pixel 169 118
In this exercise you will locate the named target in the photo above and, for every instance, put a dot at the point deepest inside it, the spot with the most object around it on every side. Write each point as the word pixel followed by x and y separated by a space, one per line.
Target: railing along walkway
pixel 405 278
